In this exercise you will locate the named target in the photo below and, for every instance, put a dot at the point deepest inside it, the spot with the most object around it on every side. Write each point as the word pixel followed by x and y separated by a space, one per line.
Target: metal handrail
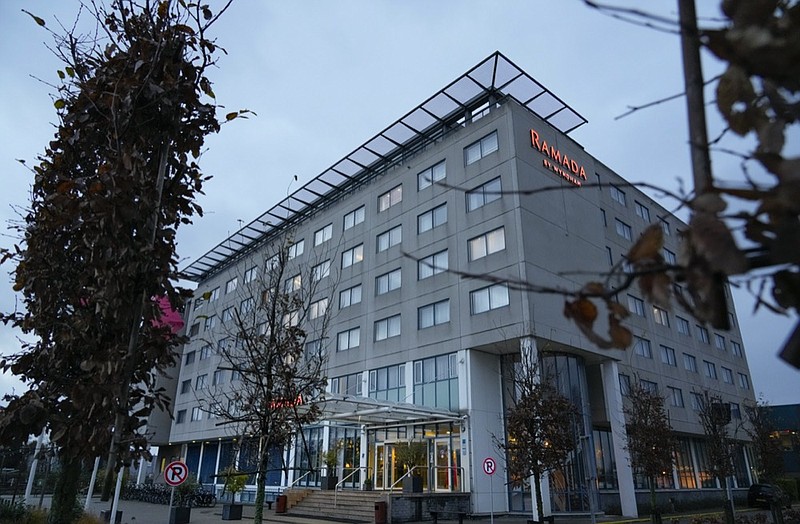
pixel 339 484
pixel 298 479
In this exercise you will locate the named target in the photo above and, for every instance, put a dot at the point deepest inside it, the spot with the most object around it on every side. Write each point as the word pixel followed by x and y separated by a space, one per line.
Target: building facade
pixel 420 350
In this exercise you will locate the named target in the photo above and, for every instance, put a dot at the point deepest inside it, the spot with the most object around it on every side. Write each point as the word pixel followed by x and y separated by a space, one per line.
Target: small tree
pixel 651 442
pixel 540 429
pixel 715 416
pixel 274 349
pixel 767 448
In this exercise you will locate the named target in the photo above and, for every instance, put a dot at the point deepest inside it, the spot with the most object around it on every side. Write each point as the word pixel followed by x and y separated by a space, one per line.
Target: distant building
pixel 786 421
pixel 416 351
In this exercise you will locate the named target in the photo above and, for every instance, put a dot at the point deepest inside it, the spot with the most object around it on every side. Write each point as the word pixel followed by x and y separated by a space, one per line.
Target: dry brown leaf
pixel 648 246
pixel 621 337
pixel 712 241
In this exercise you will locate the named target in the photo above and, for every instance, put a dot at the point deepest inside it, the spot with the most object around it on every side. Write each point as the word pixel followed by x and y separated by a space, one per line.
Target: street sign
pixel 489 466
pixel 176 473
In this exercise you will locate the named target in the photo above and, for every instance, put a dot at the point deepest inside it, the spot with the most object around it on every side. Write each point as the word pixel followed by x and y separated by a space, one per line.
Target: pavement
pixel 134 512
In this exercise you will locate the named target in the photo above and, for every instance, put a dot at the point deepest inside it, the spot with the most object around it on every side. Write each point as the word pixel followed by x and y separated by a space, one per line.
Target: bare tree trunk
pixel 537 486
pixel 263 460
pixel 64 508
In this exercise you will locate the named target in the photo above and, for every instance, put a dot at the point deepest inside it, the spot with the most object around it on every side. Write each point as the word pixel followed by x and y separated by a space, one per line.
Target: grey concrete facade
pixel 548 238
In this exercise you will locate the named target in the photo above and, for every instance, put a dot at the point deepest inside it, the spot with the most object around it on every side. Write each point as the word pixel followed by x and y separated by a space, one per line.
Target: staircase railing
pixel 341 482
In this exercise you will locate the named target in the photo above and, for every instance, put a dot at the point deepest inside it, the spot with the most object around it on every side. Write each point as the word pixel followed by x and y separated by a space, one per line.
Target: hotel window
pixel 727 375
pixel 205 351
pixel 710 369
pixel 736 349
pixel 194 330
pixel 350 296
pixel 682 325
pixel 189 358
pixel 636 305
pixel 388 282
pixel 209 322
pixel 649 386
pixel 353 256
pixel 618 195
pixel 227 314
pixel 247 305
pixel 431 219
pixel 623 229
pixel 293 283
pixel 719 342
pixel 354 218
pixel 432 265
pixel 230 286
pixel 323 235
pixel 348 339
pixel 641 346
pixel 675 397
pixel 664 226
pixel 669 257
pixel 214 295
pixel 433 314
pixel 388 383
pixel 624 384
pixel 197 414
pixel 225 345
pixel 481 148
pixel 488 298
pixel 200 382
pixel 218 378
pixel 296 249
pixel 627 267
pixel 641 211
pixel 313 349
pixel 390 238
pixel 387 328
pixel 736 411
pixel 610 256
pixel 744 382
pixel 731 317
pixel 482 195
pixel 198 303
pixel 436 382
pixel 431 175
pixel 180 417
pixel 348 384
pixel 702 334
pixel 661 316
pixel 318 308
pixel 250 275
pixel 668 356
pixel 186 386
pixel 697 401
pixel 689 363
pixel 321 271
pixel 486 244
pixel 390 198
pixel 292 318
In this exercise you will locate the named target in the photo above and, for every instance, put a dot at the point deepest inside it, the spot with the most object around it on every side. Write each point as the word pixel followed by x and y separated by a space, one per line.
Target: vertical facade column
pixel 619 437
pixel 363 454
pixel 288 479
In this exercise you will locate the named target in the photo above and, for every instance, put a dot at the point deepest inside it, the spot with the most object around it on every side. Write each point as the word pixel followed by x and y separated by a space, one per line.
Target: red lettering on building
pixel 571 170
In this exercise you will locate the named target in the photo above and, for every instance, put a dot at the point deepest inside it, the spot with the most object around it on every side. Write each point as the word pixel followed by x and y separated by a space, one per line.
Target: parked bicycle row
pixel 161 493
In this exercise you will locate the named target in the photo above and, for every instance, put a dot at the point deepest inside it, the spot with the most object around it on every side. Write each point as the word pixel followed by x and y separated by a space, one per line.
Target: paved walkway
pixel 144 513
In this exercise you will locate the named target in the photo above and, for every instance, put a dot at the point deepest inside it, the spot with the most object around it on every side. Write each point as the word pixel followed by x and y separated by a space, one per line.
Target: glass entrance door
pixel 447 462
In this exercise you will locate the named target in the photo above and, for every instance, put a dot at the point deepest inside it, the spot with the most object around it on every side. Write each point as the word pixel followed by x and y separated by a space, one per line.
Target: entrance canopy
pixel 379 413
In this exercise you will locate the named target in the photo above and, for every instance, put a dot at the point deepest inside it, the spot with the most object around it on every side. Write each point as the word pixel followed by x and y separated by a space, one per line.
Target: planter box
pixel 329 483
pixel 412 484
pixel 180 515
pixel 232 511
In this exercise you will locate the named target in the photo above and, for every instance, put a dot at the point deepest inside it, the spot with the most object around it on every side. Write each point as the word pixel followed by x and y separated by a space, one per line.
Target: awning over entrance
pixel 374 413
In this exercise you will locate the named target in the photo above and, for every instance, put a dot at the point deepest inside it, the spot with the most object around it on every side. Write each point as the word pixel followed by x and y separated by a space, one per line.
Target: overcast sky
pixel 324 77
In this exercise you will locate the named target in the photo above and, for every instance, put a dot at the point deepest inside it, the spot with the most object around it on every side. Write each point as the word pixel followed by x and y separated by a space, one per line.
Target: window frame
pixel 432 218
pixel 323 234
pixel 356 216
pixel 389 238
pixel 350 292
pixel 435 314
pixel 386 328
pixel 484 194
pixel 434 175
pixel 388 276
pixel 353 256
pixel 478 247
pixel 430 264
pixel 484 146
pixel 390 198
pixel 490 293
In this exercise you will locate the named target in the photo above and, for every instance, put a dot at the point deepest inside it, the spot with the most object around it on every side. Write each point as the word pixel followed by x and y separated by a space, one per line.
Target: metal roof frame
pixel 492 80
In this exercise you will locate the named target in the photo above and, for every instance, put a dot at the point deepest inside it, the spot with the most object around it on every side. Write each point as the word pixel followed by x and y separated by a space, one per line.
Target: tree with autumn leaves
pixel 97 242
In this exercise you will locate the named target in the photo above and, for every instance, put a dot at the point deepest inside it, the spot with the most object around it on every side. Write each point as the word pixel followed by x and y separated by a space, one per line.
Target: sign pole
pixel 175 474
pixel 171 498
pixel 489 467
pixel 491 499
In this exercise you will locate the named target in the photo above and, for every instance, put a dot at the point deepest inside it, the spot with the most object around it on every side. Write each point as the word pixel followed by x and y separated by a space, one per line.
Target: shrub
pixel 789 486
pixel 11 511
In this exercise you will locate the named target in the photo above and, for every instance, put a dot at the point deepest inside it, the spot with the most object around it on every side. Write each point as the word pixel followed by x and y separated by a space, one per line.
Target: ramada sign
pixel 558 162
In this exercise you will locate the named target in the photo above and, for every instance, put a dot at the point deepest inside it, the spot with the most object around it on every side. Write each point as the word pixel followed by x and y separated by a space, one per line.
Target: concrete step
pixel 343 506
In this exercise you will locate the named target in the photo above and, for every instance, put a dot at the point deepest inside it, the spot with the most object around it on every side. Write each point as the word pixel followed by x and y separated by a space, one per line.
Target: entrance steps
pixel 343 506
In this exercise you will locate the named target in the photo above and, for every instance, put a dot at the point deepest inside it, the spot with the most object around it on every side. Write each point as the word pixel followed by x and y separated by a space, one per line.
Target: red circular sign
pixel 176 473
pixel 489 466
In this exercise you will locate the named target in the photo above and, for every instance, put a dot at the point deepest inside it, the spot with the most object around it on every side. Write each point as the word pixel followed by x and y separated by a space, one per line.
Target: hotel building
pixel 418 351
